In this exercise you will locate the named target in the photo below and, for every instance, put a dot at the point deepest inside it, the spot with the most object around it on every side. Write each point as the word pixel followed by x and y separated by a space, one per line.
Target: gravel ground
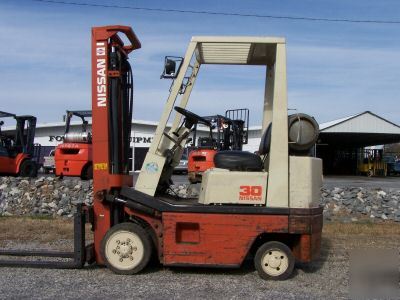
pixel 362 181
pixel 325 279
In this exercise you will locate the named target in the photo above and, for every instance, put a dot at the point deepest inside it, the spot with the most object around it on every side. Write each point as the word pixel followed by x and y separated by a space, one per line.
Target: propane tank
pixel 78 137
pixel 303 132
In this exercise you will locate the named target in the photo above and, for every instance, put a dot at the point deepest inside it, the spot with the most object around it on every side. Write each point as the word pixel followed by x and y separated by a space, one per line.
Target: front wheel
pixel 28 168
pixel 274 260
pixel 87 172
pixel 126 248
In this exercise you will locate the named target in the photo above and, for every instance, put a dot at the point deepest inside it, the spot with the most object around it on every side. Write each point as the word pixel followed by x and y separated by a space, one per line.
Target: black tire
pixel 87 172
pixel 28 168
pixel 287 261
pixel 141 234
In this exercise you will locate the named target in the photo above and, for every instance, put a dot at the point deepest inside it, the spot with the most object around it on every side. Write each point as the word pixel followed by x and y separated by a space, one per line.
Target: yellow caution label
pixel 100 166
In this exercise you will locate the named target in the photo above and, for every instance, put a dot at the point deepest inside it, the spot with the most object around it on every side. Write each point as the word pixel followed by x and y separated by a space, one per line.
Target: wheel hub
pixel 124 250
pixel 275 262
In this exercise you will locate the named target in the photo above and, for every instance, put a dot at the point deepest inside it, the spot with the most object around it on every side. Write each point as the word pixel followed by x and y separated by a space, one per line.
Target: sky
pixel 334 69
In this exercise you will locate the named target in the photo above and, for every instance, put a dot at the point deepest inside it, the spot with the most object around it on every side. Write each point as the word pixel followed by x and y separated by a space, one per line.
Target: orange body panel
pixel 225 239
pixel 11 165
pixel 308 245
pixel 217 239
pixel 200 160
pixel 214 239
pixel 71 158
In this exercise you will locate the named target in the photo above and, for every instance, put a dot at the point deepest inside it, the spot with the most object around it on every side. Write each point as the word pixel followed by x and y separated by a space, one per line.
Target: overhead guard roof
pixel 4 114
pixel 81 113
pixel 236 50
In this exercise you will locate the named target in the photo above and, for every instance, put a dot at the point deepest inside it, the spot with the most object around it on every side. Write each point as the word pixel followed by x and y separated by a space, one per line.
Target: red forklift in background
pixel 74 156
pixel 229 132
pixel 17 150
pixel 247 206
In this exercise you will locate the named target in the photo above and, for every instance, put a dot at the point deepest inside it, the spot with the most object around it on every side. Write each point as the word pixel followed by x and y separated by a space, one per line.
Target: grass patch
pixel 365 228
pixel 33 228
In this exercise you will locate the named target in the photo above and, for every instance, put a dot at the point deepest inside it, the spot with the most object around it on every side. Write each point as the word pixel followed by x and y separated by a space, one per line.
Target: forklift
pixel 73 157
pixel 17 150
pixel 261 206
pixel 229 132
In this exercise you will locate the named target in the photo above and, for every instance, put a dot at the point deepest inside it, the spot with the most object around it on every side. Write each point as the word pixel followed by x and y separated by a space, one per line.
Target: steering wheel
pixel 191 118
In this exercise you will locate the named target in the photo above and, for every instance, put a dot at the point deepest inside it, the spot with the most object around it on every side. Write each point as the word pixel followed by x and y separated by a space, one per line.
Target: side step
pixel 76 259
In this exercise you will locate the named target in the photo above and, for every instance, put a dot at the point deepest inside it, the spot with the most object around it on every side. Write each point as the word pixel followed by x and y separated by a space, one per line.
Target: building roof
pixel 78 122
pixel 360 130
pixel 322 126
pixel 365 122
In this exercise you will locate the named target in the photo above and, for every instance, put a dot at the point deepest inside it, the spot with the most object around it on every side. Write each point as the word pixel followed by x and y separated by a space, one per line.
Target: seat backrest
pixel 206 142
pixel 265 143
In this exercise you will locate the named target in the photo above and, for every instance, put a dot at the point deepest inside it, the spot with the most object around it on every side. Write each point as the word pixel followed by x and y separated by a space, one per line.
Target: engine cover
pixel 221 186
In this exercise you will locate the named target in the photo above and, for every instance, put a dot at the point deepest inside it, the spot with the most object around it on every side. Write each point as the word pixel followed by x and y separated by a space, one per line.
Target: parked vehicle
pixel 17 150
pixel 182 167
pixel 73 157
pixel 49 163
pixel 229 132
pixel 396 168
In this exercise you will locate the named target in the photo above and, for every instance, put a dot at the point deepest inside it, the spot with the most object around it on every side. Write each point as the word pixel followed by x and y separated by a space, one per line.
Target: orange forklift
pixel 17 149
pixel 248 207
pixel 229 132
pixel 74 156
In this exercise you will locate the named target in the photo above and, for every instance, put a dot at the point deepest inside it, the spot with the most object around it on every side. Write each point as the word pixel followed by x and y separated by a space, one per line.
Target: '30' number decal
pixel 250 190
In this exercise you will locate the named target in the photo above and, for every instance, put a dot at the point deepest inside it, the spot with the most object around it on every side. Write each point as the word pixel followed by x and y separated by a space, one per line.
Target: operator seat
pixel 244 160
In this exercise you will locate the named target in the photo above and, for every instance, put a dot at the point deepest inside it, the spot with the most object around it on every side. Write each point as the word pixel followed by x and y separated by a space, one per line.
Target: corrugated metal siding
pixel 365 123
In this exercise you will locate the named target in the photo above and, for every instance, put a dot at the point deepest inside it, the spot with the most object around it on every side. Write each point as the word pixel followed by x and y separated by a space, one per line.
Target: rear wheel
pixel 28 169
pixel 274 260
pixel 126 248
